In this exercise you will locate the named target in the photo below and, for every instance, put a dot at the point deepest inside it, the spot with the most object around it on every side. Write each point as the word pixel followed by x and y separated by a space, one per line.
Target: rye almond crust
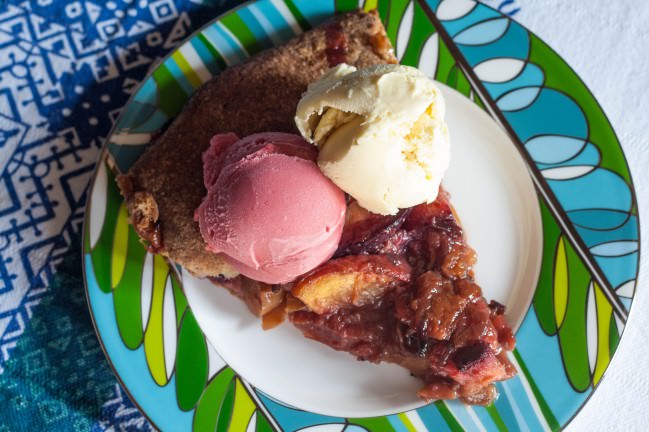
pixel 164 186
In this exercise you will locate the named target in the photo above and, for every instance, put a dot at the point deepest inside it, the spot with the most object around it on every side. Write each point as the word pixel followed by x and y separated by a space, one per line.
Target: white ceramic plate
pixel 494 197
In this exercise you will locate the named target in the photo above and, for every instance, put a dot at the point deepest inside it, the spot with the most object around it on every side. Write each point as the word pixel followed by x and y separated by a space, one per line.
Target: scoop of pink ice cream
pixel 213 157
pixel 269 209
pixel 226 149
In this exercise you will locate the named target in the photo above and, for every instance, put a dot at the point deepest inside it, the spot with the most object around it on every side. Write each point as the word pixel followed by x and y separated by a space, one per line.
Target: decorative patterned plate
pixel 585 194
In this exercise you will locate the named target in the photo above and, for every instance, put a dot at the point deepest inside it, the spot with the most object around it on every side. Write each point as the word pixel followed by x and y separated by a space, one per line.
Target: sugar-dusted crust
pixel 164 187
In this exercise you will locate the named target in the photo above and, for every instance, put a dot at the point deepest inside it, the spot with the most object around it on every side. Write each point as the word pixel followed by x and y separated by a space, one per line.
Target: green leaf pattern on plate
pixel 569 304
pixel 126 297
pixel 191 363
pixel 148 297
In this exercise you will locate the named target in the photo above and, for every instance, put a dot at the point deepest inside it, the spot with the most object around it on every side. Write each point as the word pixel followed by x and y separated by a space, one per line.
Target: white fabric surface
pixel 607 44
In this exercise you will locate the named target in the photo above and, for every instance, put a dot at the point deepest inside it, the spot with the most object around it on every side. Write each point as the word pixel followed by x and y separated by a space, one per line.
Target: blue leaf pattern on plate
pixel 553 128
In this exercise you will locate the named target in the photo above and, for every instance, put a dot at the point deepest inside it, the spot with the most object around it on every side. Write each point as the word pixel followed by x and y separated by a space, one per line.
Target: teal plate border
pixel 585 192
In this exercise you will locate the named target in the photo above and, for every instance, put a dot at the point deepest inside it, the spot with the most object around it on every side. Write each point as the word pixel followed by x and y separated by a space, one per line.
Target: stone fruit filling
pixel 400 289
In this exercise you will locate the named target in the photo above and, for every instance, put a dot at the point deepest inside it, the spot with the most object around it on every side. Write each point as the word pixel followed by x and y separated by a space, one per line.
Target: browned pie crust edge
pixel 164 186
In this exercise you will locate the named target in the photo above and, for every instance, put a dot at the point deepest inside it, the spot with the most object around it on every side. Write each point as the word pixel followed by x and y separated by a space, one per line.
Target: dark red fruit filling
pixel 437 324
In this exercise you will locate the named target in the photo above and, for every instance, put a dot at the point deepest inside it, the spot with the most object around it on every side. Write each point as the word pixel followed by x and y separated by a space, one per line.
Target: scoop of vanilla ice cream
pixel 381 134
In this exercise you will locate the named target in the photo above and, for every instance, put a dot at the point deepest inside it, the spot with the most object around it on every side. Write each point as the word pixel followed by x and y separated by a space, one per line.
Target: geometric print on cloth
pixel 66 69
pixel 57 377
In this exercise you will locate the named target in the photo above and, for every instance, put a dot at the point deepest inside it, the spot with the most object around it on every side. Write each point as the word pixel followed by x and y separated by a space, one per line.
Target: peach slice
pixel 353 280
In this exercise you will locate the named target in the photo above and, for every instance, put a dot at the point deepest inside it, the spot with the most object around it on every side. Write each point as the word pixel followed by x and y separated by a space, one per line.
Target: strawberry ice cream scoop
pixel 269 209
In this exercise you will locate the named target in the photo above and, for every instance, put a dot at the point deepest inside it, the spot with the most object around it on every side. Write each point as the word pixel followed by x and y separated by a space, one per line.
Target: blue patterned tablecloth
pixel 66 69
